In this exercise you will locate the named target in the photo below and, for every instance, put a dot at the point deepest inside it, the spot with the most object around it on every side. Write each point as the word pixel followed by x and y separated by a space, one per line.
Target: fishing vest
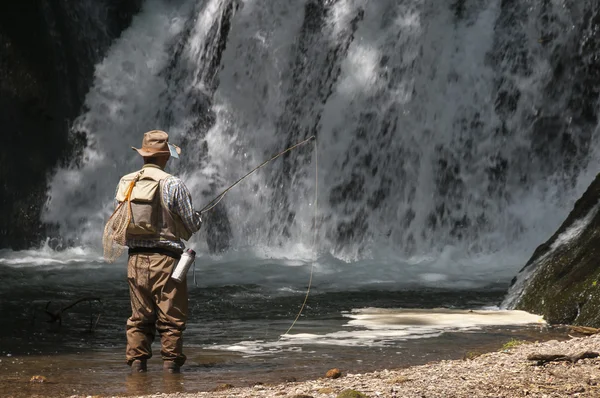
pixel 151 218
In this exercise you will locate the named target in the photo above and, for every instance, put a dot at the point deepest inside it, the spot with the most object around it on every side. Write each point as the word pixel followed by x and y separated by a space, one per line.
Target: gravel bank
pixel 498 374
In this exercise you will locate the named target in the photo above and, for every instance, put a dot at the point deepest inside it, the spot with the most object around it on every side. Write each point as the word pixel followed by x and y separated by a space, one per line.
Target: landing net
pixel 115 230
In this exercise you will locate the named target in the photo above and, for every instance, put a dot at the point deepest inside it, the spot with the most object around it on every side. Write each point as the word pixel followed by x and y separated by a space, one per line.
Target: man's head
pixel 156 148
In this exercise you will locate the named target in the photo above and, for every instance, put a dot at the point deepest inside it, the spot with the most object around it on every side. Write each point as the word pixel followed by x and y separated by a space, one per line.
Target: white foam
pixel 47 258
pixel 378 327
pixel 289 272
pixel 400 319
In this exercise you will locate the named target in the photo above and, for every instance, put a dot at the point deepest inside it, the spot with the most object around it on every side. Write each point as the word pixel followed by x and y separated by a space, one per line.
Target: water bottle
pixel 182 267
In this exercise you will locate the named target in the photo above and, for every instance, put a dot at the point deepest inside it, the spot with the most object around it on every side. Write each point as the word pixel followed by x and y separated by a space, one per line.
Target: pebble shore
pixel 506 373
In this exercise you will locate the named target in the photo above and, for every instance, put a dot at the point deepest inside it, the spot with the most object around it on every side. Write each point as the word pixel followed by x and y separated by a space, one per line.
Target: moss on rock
pixel 564 285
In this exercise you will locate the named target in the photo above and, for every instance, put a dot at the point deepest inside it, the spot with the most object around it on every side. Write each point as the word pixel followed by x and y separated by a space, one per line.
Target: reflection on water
pixel 93 372
pixel 234 333
pixel 145 383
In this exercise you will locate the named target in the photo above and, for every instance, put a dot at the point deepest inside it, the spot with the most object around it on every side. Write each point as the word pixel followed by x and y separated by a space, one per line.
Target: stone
pixel 333 373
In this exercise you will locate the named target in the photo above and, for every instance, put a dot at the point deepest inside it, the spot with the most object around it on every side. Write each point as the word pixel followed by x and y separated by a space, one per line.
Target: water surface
pixel 236 332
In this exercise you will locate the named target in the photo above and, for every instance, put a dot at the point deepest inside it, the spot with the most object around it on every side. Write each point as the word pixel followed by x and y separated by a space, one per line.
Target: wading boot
pixel 138 366
pixel 171 367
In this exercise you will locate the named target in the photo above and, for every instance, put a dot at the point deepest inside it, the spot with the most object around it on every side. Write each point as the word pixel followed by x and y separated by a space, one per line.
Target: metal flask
pixel 183 266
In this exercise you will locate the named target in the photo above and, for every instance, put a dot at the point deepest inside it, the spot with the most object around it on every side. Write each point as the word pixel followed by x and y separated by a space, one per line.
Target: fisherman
pixel 162 216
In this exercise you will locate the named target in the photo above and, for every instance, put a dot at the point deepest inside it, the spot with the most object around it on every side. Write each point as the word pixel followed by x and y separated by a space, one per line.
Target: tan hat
pixel 156 143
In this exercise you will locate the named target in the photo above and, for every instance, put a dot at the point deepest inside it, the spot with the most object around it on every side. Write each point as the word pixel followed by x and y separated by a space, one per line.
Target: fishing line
pixel 312 266
pixel 211 205
pixel 220 197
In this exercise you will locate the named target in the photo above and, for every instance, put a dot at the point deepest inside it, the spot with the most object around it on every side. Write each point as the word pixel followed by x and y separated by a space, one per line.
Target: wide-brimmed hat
pixel 156 143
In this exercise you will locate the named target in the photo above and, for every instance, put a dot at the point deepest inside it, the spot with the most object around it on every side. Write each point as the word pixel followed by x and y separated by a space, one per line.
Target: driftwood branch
pixel 543 359
pixel 584 330
pixel 56 316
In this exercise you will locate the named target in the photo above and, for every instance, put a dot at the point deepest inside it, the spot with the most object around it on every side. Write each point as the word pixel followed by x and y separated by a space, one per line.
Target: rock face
pixel 561 281
pixel 47 56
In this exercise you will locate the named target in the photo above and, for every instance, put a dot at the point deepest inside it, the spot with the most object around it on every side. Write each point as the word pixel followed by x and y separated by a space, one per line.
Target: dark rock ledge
pixel 561 281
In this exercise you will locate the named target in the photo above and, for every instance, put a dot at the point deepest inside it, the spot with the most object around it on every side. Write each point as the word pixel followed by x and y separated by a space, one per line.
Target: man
pixel 162 216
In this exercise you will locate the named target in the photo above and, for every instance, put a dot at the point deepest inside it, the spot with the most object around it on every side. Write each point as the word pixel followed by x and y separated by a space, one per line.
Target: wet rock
pixel 561 280
pixel 333 373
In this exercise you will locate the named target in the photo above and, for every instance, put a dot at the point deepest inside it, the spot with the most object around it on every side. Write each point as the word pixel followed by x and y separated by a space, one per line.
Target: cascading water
pixel 453 138
pixel 449 142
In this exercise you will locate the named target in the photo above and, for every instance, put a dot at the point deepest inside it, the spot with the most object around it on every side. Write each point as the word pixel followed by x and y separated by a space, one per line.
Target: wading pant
pixel 157 304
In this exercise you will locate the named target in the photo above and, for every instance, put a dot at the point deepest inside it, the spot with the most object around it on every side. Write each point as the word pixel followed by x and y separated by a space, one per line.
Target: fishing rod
pixel 220 197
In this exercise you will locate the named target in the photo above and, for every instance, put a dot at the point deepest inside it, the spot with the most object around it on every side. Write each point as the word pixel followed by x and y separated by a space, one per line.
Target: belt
pixel 153 250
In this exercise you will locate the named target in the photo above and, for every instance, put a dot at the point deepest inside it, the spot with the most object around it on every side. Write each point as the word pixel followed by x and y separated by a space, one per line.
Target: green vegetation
pixel 512 343
pixel 472 355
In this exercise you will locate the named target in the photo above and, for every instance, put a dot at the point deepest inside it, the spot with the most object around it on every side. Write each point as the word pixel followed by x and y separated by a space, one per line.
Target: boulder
pixel 561 281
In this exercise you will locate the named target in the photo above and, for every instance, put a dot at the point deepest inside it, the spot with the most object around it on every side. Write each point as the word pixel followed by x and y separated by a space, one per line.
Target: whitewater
pixel 448 150
pixel 424 176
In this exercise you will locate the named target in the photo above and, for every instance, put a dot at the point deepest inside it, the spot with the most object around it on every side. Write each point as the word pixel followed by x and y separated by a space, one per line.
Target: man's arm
pixel 180 203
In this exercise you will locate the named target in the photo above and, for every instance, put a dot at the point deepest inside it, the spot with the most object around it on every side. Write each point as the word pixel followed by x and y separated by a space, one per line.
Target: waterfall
pixel 450 131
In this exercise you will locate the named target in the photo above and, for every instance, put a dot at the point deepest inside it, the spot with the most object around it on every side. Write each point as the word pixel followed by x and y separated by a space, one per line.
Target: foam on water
pixel 48 259
pixel 290 272
pixel 379 327
pixel 383 318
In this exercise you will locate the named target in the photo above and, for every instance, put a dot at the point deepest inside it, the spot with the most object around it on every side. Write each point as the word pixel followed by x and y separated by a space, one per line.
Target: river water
pixel 236 332
pixel 452 139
